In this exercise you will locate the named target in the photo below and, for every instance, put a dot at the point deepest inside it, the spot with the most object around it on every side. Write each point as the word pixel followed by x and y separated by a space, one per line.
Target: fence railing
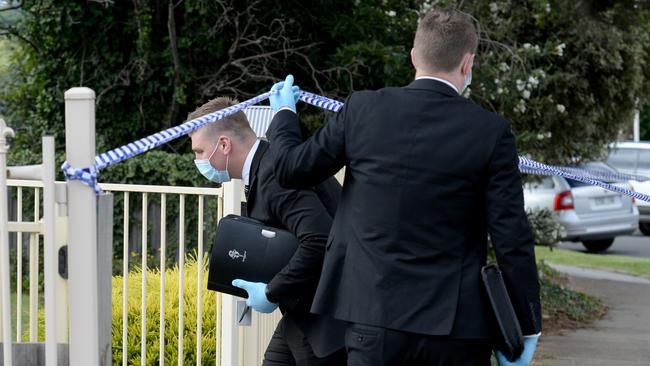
pixel 165 195
pixel 155 229
pixel 134 203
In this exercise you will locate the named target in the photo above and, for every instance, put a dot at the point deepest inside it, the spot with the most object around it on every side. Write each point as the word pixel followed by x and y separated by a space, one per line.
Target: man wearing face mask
pixel 229 148
pixel 428 175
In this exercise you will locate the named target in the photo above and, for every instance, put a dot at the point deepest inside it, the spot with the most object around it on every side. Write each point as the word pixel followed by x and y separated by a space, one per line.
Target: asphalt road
pixel 635 246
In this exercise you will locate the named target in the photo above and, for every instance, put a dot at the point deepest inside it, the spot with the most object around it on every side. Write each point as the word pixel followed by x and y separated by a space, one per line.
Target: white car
pixel 590 214
pixel 634 158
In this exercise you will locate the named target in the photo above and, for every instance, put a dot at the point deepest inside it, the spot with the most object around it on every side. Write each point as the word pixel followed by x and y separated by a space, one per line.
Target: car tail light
pixel 563 201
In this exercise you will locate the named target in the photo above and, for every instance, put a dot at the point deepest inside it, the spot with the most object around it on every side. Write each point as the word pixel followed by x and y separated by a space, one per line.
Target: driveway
pixel 621 338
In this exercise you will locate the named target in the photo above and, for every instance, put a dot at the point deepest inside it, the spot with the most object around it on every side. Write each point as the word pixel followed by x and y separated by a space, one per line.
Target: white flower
pixel 559 49
pixel 391 13
pixel 521 106
pixel 504 67
pixel 548 135
pixel 499 90
pixel 536 48
pixel 548 7
pixel 467 92
pixel 526 94
pixel 540 136
pixel 497 81
pixel 494 7
pixel 521 85
pixel 527 45
pixel 560 108
pixel 533 81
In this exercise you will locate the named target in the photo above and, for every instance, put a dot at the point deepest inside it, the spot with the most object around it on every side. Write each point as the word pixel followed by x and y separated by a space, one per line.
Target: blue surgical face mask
pixel 208 171
pixel 468 81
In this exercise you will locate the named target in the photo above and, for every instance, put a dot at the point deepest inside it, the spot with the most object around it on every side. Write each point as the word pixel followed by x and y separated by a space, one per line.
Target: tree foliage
pixel 644 117
pixel 567 74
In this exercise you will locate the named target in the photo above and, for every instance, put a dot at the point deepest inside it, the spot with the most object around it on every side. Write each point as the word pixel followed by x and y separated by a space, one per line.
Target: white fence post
pixel 82 224
pixel 5 323
pixel 230 331
pixel 50 254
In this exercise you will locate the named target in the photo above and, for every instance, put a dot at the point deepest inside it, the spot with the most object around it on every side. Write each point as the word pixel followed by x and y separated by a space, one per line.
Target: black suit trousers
pixel 290 347
pixel 375 346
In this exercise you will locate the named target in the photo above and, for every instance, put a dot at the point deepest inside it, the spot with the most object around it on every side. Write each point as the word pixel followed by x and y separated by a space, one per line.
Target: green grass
pixel 629 265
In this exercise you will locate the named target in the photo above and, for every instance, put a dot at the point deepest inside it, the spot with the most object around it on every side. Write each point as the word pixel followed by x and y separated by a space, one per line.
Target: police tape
pixel 88 175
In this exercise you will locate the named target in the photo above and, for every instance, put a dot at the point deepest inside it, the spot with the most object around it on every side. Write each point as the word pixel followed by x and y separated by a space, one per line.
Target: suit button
pixel 359 338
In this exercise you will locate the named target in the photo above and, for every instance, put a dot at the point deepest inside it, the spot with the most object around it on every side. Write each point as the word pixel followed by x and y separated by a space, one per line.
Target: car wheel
pixel 595 246
pixel 645 228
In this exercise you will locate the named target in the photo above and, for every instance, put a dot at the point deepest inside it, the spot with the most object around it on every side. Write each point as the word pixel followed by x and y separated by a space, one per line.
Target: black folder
pixel 510 340
pixel 248 249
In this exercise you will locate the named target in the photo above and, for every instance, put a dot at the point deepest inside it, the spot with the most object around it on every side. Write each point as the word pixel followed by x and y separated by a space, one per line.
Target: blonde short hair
pixel 236 124
pixel 442 38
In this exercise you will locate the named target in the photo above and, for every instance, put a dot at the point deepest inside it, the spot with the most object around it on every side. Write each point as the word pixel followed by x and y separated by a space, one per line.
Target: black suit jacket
pixel 307 213
pixel 428 175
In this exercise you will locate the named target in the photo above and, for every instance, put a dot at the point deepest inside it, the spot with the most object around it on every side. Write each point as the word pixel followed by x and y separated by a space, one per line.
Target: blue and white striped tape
pixel 533 167
pixel 89 175
pixel 320 101
pixel 604 175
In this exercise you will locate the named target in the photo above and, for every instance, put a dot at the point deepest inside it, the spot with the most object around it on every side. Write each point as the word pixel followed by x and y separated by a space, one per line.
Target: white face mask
pixel 209 172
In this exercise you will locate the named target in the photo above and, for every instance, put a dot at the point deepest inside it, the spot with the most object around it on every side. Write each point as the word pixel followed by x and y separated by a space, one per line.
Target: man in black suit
pixel 229 148
pixel 428 175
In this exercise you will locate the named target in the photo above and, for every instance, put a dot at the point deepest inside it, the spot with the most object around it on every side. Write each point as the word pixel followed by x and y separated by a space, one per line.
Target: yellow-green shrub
pixel 210 305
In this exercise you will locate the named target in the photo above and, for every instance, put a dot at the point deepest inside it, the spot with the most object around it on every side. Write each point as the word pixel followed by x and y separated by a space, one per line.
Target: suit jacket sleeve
pixel 302 212
pixel 510 233
pixel 302 165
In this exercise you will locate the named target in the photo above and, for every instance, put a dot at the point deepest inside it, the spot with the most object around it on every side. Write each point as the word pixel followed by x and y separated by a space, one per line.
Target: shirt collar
pixel 438 79
pixel 246 171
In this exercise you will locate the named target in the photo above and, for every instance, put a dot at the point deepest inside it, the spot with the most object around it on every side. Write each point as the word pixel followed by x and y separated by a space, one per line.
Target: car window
pixel 575 183
pixel 623 158
pixel 644 160
pixel 597 167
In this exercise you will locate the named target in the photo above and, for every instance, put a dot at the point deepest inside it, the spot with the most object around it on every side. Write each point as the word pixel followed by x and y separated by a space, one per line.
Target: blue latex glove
pixel 256 295
pixel 288 94
pixel 530 344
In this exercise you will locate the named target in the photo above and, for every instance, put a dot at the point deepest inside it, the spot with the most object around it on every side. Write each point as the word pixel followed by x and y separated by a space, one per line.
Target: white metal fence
pixel 27 194
pixel 70 207
pixel 180 194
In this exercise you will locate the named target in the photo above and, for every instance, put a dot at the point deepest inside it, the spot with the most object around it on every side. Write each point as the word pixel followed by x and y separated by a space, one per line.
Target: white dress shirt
pixel 438 79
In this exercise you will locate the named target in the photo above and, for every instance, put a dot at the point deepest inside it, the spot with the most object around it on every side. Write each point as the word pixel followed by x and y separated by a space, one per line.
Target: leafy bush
pixel 546 230
pixel 210 301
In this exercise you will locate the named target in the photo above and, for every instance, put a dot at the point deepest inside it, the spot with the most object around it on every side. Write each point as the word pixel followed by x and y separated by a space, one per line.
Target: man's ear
pixel 467 64
pixel 225 144
pixel 413 58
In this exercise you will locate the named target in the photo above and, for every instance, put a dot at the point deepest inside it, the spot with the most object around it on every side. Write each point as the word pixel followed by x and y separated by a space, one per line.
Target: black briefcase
pixel 246 248
pixel 510 340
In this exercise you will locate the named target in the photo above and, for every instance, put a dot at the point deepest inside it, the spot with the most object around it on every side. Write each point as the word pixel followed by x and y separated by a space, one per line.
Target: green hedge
pixel 210 305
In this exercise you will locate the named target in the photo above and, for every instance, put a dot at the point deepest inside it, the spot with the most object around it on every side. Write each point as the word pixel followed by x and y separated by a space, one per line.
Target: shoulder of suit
pixel 472 108
pixel 468 105
pixel 265 170
pixel 387 91
pixel 368 97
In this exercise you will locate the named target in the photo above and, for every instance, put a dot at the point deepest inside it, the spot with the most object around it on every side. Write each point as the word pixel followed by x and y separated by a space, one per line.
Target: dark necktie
pixel 247 189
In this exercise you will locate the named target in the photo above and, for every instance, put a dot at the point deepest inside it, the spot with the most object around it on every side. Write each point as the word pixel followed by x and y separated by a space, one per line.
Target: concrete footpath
pixel 621 338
